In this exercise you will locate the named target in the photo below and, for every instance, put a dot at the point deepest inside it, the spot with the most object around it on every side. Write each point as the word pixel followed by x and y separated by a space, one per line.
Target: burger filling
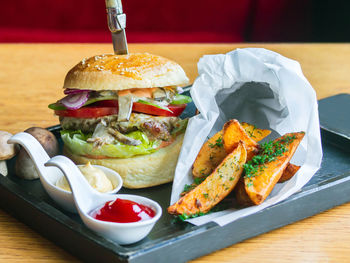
pixel 111 124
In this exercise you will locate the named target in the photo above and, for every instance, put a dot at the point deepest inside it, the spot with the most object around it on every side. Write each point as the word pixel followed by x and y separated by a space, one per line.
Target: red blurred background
pixel 159 21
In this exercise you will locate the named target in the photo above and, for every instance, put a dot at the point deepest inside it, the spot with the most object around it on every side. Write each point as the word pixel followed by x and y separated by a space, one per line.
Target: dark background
pixel 178 21
pixel 330 21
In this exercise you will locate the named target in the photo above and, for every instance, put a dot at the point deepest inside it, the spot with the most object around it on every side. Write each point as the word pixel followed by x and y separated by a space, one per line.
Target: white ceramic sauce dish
pixel 50 175
pixel 87 200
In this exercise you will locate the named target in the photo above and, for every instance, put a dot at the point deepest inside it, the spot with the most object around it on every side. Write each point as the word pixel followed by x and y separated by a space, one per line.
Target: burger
pixel 122 112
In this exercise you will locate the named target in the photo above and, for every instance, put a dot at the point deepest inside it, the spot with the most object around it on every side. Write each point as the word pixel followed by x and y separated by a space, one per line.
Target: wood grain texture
pixel 31 77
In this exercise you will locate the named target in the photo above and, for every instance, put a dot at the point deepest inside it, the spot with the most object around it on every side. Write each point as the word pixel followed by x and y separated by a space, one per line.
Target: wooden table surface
pixel 31 77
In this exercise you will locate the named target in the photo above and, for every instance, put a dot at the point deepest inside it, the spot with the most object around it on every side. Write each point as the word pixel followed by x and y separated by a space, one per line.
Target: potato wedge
pixel 209 157
pixel 262 178
pixel 255 133
pixel 241 195
pixel 233 133
pixel 215 187
pixel 212 152
pixel 289 172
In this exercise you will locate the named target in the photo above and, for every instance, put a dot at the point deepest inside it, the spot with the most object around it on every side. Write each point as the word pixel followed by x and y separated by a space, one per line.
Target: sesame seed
pixel 99 67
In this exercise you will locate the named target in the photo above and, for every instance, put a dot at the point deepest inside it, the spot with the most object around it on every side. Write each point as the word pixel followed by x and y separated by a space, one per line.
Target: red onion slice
pixel 75 101
pixel 74 91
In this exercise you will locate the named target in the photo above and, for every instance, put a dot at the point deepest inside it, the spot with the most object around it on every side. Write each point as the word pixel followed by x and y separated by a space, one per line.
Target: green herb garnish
pixel 224 204
pixel 269 151
pixel 218 143
pixel 189 187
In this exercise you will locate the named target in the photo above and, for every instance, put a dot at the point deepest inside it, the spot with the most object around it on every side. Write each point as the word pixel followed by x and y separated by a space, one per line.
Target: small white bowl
pixel 123 233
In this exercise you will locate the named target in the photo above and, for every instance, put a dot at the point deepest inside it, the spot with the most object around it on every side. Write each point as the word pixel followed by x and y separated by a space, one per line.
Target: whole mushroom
pixel 7 151
pixel 24 166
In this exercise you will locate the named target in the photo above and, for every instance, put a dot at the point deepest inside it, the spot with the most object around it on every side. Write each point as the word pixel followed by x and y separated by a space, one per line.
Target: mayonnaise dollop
pixel 95 177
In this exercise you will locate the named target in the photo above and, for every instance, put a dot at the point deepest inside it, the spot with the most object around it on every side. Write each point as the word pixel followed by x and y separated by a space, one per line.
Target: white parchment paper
pixel 260 87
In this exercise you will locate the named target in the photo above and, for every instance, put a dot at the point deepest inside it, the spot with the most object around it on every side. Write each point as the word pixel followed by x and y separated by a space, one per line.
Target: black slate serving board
pixel 180 242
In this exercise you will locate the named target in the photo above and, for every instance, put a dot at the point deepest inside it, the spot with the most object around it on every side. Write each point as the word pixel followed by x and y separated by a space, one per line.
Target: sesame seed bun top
pixel 120 72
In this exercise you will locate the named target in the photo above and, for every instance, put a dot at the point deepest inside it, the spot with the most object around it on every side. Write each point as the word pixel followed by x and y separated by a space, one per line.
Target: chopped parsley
pixel 198 181
pixel 218 143
pixel 224 204
pixel 185 216
pixel 251 133
pixel 269 151
pixel 189 187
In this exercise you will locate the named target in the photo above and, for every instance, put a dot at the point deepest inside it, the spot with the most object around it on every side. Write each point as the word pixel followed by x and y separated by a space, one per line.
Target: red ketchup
pixel 123 211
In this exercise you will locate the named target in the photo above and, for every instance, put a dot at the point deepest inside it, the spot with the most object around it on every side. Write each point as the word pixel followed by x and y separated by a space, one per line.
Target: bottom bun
pixel 143 170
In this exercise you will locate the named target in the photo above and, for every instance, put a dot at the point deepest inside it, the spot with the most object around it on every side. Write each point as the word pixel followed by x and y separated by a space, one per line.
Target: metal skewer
pixel 116 24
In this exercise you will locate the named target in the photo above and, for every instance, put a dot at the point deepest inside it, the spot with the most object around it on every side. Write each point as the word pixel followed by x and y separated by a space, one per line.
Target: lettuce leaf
pixel 181 99
pixel 154 105
pixel 76 142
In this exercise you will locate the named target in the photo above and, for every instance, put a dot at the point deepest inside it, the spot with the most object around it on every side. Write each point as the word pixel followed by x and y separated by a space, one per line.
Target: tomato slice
pixel 176 110
pixel 88 112
pixel 110 107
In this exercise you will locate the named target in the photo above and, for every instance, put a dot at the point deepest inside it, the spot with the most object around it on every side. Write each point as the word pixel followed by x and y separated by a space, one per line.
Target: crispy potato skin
pixel 241 195
pixel 289 172
pixel 233 133
pixel 255 133
pixel 213 152
pixel 215 187
pixel 260 186
pixel 209 157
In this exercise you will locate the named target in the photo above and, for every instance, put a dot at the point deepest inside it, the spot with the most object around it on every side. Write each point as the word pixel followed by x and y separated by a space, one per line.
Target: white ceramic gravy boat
pixel 50 175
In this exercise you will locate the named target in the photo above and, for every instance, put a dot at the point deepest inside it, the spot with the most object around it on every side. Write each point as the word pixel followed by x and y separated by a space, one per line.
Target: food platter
pixel 180 241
